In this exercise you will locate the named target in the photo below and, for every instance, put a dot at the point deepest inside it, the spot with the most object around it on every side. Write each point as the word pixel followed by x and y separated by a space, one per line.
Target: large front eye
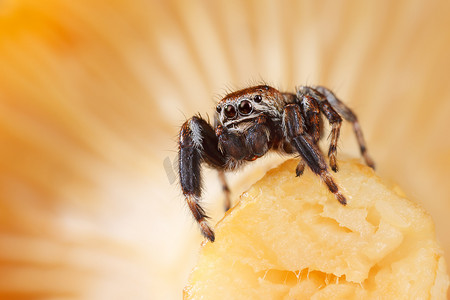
pixel 245 107
pixel 230 111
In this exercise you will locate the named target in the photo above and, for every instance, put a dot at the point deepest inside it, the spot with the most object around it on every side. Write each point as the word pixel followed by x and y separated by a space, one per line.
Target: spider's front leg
pixel 197 143
pixel 310 152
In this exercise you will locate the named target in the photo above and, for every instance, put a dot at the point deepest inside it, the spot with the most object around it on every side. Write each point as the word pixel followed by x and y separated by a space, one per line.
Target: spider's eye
pixel 245 107
pixel 218 108
pixel 230 111
pixel 258 98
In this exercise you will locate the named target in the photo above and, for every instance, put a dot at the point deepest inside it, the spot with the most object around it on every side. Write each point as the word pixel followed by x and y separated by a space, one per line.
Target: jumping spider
pixel 252 121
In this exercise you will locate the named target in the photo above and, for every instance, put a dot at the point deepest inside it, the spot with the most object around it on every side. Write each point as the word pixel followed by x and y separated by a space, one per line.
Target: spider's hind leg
pixel 348 115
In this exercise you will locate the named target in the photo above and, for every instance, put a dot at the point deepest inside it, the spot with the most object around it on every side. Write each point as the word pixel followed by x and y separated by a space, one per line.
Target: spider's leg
pixel 311 113
pixel 225 189
pixel 348 115
pixel 310 152
pixel 312 124
pixel 300 167
pixel 335 120
pixel 197 144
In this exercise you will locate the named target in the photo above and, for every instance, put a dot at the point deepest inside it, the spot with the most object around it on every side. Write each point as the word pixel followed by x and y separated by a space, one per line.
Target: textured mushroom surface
pixel 289 238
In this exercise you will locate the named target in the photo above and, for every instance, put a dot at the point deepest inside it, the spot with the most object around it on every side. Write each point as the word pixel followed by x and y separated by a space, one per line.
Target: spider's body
pixel 252 121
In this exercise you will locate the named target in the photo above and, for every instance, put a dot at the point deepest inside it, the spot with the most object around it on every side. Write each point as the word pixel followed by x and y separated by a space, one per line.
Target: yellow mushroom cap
pixel 288 238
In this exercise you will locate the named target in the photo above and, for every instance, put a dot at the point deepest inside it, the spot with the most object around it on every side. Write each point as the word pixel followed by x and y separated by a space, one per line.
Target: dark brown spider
pixel 252 121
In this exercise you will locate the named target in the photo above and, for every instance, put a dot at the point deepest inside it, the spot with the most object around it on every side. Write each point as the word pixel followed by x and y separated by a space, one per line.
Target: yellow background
pixel 92 94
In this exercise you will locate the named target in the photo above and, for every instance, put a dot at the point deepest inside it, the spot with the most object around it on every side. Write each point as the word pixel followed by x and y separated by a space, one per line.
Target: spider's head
pixel 248 104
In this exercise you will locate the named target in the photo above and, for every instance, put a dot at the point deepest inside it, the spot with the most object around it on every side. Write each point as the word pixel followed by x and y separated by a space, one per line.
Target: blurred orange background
pixel 92 94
